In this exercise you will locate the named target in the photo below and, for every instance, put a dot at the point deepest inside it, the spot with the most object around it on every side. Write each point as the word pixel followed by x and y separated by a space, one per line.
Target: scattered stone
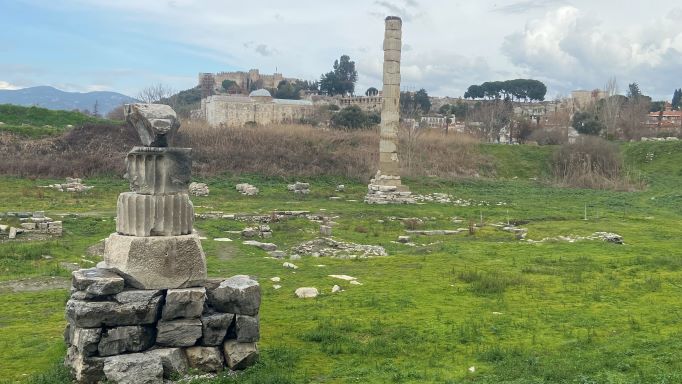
pixel 132 338
pixel 336 289
pixel 340 188
pixel 278 254
pixel 134 368
pixel 173 360
pixel 215 328
pixel 295 256
pixel 306 292
pixel 325 230
pixel 184 303
pixel 12 233
pixel 299 188
pixel 276 286
pixel 71 185
pixel 198 189
pixel 224 239
pixel 240 355
pixel 355 282
pixel 343 277
pixel 403 239
pixel 263 246
pixel 178 333
pixel 206 359
pixel 333 248
pixel 334 198
pixel 97 282
pixel 247 189
pixel 263 231
pixel 275 279
pixel 289 265
pixel 239 294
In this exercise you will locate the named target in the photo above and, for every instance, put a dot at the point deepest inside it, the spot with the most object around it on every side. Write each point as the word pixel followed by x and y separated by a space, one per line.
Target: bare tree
pixel 612 106
pixel 157 93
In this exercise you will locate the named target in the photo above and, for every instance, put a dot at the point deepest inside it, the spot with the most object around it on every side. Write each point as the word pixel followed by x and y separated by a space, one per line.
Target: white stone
pixel 306 292
pixel 336 289
pixel 289 265
pixel 343 277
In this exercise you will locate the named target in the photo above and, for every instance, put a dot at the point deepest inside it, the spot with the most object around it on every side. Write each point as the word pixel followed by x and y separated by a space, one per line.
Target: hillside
pixel 34 122
pixel 52 98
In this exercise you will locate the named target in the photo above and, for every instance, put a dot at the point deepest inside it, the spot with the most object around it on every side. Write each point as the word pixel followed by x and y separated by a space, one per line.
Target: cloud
pixel 527 6
pixel 7 85
pixel 407 9
pixel 576 50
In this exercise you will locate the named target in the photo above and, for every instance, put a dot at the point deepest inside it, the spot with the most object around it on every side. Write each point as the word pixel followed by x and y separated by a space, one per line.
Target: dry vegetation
pixel 277 151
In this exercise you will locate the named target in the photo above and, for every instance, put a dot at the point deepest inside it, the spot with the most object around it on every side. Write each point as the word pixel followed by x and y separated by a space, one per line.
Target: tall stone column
pixel 154 247
pixel 386 186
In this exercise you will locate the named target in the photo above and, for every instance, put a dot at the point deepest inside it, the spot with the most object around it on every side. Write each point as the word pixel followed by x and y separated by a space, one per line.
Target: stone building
pixel 366 103
pixel 259 108
pixel 247 81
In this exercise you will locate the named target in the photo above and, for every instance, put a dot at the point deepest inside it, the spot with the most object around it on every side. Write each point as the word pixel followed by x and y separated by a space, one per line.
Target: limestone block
pixel 184 303
pixel 125 308
pixel 392 56
pixel 12 232
pixel 156 124
pixel 198 189
pixel 178 333
pixel 28 226
pixel 240 355
pixel 134 368
pixel 325 230
pixel 86 370
pixel 214 328
pixel 393 22
pixel 154 215
pixel 173 360
pixel 85 340
pixel 239 294
pixel 306 292
pixel 247 328
pixel 152 170
pixel 392 44
pixel 391 79
pixel 393 34
pixel 391 67
pixel 387 146
pixel 263 246
pixel 390 92
pixel 157 262
pixel 132 338
pixel 207 359
pixel 97 282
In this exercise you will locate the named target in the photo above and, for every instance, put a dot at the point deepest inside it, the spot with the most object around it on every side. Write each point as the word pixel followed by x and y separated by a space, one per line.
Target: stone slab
pixel 96 282
pixel 125 308
pixel 178 333
pixel 239 294
pixel 184 303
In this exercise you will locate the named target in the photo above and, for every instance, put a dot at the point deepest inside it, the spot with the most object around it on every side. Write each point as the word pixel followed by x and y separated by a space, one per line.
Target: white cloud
pixel 7 85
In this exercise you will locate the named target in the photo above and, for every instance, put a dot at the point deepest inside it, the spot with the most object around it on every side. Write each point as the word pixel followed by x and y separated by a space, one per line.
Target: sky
pixel 127 45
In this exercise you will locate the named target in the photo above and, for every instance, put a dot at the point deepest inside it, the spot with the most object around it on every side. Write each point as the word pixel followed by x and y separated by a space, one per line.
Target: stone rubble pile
pixel 519 232
pixel 338 249
pixel 148 311
pixel 247 189
pixel 299 188
pixel 436 232
pixel 198 189
pixel 671 138
pixel 262 231
pixel 125 335
pixel 31 223
pixel 384 189
pixel 71 185
pixel 603 236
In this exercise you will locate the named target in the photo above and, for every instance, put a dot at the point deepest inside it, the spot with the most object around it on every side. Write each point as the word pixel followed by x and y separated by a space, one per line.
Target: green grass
pixel 556 312
pixel 36 122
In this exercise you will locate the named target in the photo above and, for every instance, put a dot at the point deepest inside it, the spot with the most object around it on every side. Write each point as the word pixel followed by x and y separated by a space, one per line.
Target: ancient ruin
pixel 386 186
pixel 148 311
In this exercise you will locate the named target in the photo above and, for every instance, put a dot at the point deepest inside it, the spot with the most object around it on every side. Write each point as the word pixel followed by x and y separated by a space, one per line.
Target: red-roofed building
pixel 667 118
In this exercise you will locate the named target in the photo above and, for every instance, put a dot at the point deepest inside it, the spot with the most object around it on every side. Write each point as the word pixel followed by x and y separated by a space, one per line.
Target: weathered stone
pixel 156 124
pixel 152 170
pixel 132 338
pixel 178 333
pixel 173 360
pixel 85 340
pixel 134 368
pixel 157 262
pixel 289 265
pixel 184 303
pixel 240 355
pixel 28 226
pixel 214 328
pixel 154 215
pixel 263 246
pixel 125 308
pixel 97 282
pixel 325 230
pixel 86 370
pixel 207 359
pixel 247 328
pixel 12 232
pixel 239 294
pixel 336 289
pixel 306 292
pixel 198 189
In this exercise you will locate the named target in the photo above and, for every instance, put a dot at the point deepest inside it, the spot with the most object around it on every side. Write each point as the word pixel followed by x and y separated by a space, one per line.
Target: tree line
pixel 518 89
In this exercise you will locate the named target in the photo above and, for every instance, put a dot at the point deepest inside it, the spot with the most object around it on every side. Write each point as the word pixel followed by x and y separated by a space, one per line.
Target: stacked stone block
pixel 148 312
pixel 155 334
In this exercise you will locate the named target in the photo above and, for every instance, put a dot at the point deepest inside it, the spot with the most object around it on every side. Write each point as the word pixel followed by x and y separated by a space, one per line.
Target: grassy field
pixel 36 122
pixel 481 308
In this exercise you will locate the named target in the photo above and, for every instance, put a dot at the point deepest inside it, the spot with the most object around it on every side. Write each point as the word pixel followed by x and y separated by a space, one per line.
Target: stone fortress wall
pixel 245 80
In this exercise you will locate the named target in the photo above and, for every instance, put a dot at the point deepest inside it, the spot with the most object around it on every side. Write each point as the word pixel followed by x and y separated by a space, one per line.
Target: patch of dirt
pixel 35 284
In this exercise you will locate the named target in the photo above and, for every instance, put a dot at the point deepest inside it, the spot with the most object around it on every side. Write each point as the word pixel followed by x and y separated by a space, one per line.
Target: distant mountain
pixel 53 98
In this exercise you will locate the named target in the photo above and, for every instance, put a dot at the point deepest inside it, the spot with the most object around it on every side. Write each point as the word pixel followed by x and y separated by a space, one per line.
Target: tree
pixel 353 117
pixel 230 86
pixel 445 109
pixel 587 123
pixel 341 80
pixel 371 91
pixel 677 99
pixel 413 104
pixel 288 90
pixel 611 107
pixel 95 109
pixel 155 93
pixel 517 89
